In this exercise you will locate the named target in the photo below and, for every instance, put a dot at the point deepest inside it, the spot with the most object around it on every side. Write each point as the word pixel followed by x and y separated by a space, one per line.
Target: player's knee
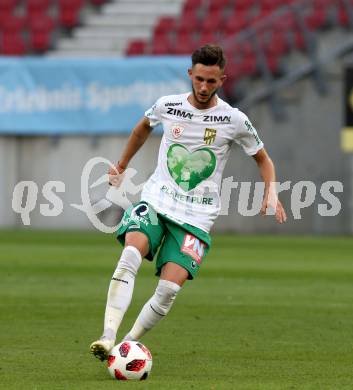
pixel 138 240
pixel 164 296
pixel 130 260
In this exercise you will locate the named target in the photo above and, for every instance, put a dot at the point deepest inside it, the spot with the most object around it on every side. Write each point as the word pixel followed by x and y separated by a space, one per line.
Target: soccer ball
pixel 129 360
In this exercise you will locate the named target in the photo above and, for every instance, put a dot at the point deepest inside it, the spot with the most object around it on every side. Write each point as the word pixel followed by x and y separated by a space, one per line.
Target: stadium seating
pixel 7 6
pixel 40 30
pixel 29 27
pixel 69 12
pixel 12 39
pixel 274 25
pixel 136 47
pixel 35 8
pixel 236 22
pixel 12 43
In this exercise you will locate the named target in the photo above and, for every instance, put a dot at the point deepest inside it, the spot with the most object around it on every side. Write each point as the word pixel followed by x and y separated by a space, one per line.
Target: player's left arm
pixel 267 171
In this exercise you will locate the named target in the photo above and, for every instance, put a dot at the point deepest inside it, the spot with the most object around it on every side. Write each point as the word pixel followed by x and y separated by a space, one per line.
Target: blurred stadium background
pixel 77 74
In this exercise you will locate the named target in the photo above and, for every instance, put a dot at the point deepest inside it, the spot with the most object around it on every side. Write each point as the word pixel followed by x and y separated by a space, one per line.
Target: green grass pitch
pixel 266 312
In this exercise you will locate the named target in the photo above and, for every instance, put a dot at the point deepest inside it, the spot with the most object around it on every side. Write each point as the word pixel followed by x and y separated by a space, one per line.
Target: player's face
pixel 206 79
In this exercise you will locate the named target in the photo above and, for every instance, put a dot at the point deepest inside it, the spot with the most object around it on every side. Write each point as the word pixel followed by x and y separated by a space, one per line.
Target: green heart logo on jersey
pixel 190 169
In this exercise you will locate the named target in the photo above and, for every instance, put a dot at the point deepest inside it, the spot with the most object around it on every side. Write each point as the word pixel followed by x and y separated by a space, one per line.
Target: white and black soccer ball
pixel 129 360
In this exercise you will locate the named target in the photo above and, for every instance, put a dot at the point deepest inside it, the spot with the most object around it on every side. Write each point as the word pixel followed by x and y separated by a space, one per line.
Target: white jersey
pixel 194 150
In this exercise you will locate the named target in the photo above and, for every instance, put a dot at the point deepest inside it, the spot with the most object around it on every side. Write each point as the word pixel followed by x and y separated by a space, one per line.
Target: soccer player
pixel 181 200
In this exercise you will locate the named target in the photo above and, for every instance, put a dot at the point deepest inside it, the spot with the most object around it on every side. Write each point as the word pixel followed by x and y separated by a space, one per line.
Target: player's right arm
pixel 137 138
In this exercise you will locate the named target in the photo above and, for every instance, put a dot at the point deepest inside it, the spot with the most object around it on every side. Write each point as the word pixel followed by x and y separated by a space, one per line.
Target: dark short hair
pixel 209 55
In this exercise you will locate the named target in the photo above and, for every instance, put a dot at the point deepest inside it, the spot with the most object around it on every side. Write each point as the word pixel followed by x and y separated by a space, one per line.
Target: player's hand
pixel 116 175
pixel 274 203
pixel 280 215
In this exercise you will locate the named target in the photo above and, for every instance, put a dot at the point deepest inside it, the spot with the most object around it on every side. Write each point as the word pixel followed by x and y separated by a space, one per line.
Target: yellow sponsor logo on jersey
pixel 210 136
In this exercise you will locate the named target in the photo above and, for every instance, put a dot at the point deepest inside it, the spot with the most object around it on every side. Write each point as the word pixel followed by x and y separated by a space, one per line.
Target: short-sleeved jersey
pixel 193 152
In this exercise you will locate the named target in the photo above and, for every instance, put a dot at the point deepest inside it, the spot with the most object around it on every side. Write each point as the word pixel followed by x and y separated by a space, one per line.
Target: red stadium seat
pixel 7 6
pixel 40 31
pixel 191 5
pixel 316 19
pixel 270 5
pixel 244 5
pixel 161 46
pixel 274 44
pixel 183 47
pixel 184 36
pixel 136 47
pixel 187 25
pixel 273 64
pixel 284 24
pixel 213 22
pixel 70 3
pixel 165 24
pixel 255 19
pixel 182 39
pixel 40 41
pixel 227 87
pixel 161 43
pixel 190 19
pixel 233 71
pixel 342 16
pixel 35 7
pixel 245 49
pixel 236 22
pixel 216 6
pixel 207 37
pixel 191 15
pixel 3 18
pixel 69 12
pixel 69 18
pixel 300 43
pixel 248 66
pixel 242 55
pixel 238 67
pixel 12 24
pixel 12 43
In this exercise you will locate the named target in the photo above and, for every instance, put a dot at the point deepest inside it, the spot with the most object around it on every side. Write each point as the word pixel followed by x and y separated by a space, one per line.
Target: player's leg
pixel 120 291
pixel 141 234
pixel 179 258
pixel 172 278
pixel 122 283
